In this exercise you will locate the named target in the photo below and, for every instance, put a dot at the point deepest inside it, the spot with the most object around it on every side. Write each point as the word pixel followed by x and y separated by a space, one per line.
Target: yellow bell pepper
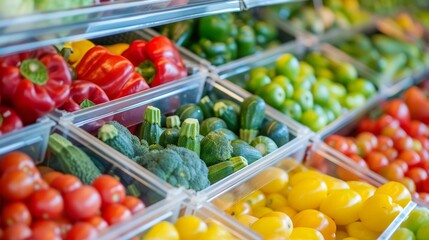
pixel 79 48
pixel 118 48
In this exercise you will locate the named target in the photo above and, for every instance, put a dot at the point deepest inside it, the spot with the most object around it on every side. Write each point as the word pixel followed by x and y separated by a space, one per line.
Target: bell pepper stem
pixel 66 52
pixel 1 119
pixel 86 104
pixel 147 70
pixel 35 71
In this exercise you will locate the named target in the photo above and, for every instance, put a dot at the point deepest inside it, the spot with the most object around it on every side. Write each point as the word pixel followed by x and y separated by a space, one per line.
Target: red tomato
pixel 424 141
pixel 136 205
pixel 82 231
pixel 424 196
pixel 17 231
pixel 110 189
pixel 45 230
pixel 418 175
pixel 392 172
pixel 367 137
pixel 376 161
pixel 384 143
pixel 403 143
pixel 416 129
pixel 64 224
pixel 368 125
pixel 364 147
pixel 351 147
pixel 338 143
pixel 98 222
pixel 115 213
pixel 50 177
pixel 82 203
pixel 417 145
pixel 66 183
pixel 390 153
pixel 401 163
pixel 16 212
pixel 399 110
pixel 16 161
pixel 425 185
pixel 16 185
pixel 40 184
pixel 393 132
pixel 424 165
pixel 409 184
pixel 424 155
pixel 387 121
pixel 46 204
pixel 410 157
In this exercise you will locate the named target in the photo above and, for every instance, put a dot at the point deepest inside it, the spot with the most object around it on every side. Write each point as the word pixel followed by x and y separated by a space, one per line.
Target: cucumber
pixel 206 106
pixel 227 114
pixel 189 110
pixel 278 132
pixel 211 124
pixel 263 144
pixel 169 136
pixel 228 133
pixel 251 116
pixel 241 148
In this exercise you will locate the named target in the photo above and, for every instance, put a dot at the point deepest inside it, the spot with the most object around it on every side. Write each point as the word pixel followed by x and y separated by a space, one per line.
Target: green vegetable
pixel 53 5
pixel 151 127
pixel 169 136
pixel 173 122
pixel 265 145
pixel 19 8
pixel 246 41
pixel 228 133
pixel 278 132
pixel 227 114
pixel 211 124
pixel 121 128
pixel 189 135
pixel 215 147
pixel 178 32
pixel 221 170
pixel 139 149
pixel 251 116
pixel 155 147
pixel 206 106
pixel 216 27
pixel 178 166
pixel 72 159
pixel 265 33
pixel 110 135
pixel 234 105
pixel 242 148
pixel 189 110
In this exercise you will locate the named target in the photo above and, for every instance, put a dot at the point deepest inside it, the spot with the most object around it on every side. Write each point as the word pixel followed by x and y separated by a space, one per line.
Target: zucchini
pixel 251 116
pixel 72 159
pixel 151 127
pixel 232 104
pixel 169 136
pixel 206 106
pixel 211 124
pixel 221 170
pixel 227 114
pixel 163 121
pixel 228 133
pixel 242 148
pixel 263 144
pixel 278 132
pixel 189 135
pixel 215 147
pixel 121 128
pixel 111 136
pixel 173 122
pixel 189 110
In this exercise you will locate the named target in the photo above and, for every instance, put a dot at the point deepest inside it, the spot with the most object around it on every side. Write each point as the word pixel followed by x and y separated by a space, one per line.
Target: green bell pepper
pixel 265 33
pixel 178 32
pixel 216 28
pixel 246 41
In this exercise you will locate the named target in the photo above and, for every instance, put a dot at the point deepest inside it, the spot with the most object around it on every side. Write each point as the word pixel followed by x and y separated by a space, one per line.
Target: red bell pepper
pixel 84 94
pixel 34 82
pixel 134 85
pixel 105 69
pixel 158 61
pixel 9 120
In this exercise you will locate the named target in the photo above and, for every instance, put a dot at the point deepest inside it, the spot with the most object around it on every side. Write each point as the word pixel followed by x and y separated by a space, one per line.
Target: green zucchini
pixel 278 132
pixel 215 147
pixel 242 148
pixel 110 135
pixel 251 116
pixel 72 159
pixel 232 104
pixel 151 127
pixel 221 170
pixel 189 135
pixel 228 133
pixel 265 145
pixel 189 110
pixel 206 106
pixel 211 124
pixel 227 114
pixel 173 122
pixel 169 136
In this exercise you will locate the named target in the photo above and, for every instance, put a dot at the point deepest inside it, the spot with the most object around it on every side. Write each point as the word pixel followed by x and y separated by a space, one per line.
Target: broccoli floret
pixel 139 148
pixel 178 166
pixel 121 128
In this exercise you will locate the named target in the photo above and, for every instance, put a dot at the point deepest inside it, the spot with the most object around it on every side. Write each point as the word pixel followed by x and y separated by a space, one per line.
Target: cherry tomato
pixel 387 121
pixel 239 208
pixel 134 204
pixel 16 161
pixel 376 161
pixel 392 172
pixel 352 147
pixel 110 189
pixel 64 224
pixel 368 125
pixel 17 231
pixel 424 141
pixel 342 206
pixel 43 170
pixel 393 132
pixel 424 196
pixel 66 183
pixel 115 213
pixel 424 155
pixel 390 153
pixel 45 230
pixel 308 193
pixel 40 184
pixel 347 175
pixel 416 129
pixel 403 143
pixel 408 183
pixel 425 165
pixel 82 231
pixel 367 137
pixel 46 204
pixel 256 199
pixel 16 185
pixel 317 220
pixel 425 185
pixel 378 211
pixel 98 222
pixel 83 202
pixel 398 110
pixel 364 147
pixel 401 163
pixel 50 177
pixel 410 157
pixel 16 212
pixel 338 143
pixel 418 175
pixel 384 143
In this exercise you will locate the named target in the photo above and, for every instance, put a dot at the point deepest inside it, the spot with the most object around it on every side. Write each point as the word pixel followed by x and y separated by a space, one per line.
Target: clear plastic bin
pixel 157 196
pixel 31 139
pixel 236 72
